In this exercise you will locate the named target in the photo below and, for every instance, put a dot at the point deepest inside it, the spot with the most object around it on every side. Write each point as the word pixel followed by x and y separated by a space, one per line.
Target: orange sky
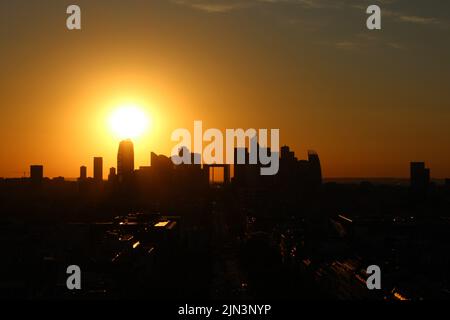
pixel 367 102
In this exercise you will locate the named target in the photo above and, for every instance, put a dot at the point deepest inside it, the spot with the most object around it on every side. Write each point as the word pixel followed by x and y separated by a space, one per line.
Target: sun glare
pixel 129 122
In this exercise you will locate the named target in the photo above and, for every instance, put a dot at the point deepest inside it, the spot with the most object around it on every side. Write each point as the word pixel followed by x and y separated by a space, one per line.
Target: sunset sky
pixel 368 102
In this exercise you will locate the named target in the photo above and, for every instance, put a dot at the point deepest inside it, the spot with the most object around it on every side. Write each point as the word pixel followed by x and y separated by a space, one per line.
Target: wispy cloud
pixel 407 18
pixel 396 45
pixel 404 17
pixel 419 20
pixel 214 6
pixel 217 7
pixel 365 41
pixel 347 45
pixel 315 4
pixel 221 6
pixel 224 6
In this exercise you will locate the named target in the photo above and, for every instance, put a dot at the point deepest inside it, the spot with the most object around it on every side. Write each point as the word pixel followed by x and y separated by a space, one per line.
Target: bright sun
pixel 129 122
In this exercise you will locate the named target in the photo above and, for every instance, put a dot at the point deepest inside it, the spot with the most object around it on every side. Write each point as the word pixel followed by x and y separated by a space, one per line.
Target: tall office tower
pixel 419 177
pixel 83 173
pixel 125 159
pixel 112 174
pixel 98 168
pixel 316 169
pixel 36 173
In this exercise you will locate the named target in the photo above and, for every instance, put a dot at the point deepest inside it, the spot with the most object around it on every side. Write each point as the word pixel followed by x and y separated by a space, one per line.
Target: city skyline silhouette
pixel 248 153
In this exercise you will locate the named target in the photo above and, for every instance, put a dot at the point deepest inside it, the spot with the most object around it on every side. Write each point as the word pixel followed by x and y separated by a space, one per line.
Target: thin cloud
pixel 364 41
pixel 403 17
pixel 419 20
pixel 224 6
pixel 217 7
pixel 396 45
pixel 213 6
pixel 315 4
pixel 347 45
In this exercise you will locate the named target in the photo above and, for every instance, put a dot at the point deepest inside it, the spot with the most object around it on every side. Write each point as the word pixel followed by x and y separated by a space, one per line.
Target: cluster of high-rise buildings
pixel 125 165
pixel 292 170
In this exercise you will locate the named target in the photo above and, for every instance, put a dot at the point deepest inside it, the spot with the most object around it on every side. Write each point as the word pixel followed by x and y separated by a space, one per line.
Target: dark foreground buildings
pixel 163 231
pixel 419 177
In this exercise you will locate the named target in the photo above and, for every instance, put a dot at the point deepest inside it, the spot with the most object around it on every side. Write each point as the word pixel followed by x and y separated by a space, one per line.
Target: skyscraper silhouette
pixel 420 177
pixel 98 168
pixel 112 174
pixel 125 159
pixel 315 168
pixel 36 173
pixel 83 173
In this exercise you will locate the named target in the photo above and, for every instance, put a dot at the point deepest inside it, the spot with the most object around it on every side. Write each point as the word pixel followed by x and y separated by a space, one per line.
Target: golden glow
pixel 162 224
pixel 129 121
pixel 398 296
